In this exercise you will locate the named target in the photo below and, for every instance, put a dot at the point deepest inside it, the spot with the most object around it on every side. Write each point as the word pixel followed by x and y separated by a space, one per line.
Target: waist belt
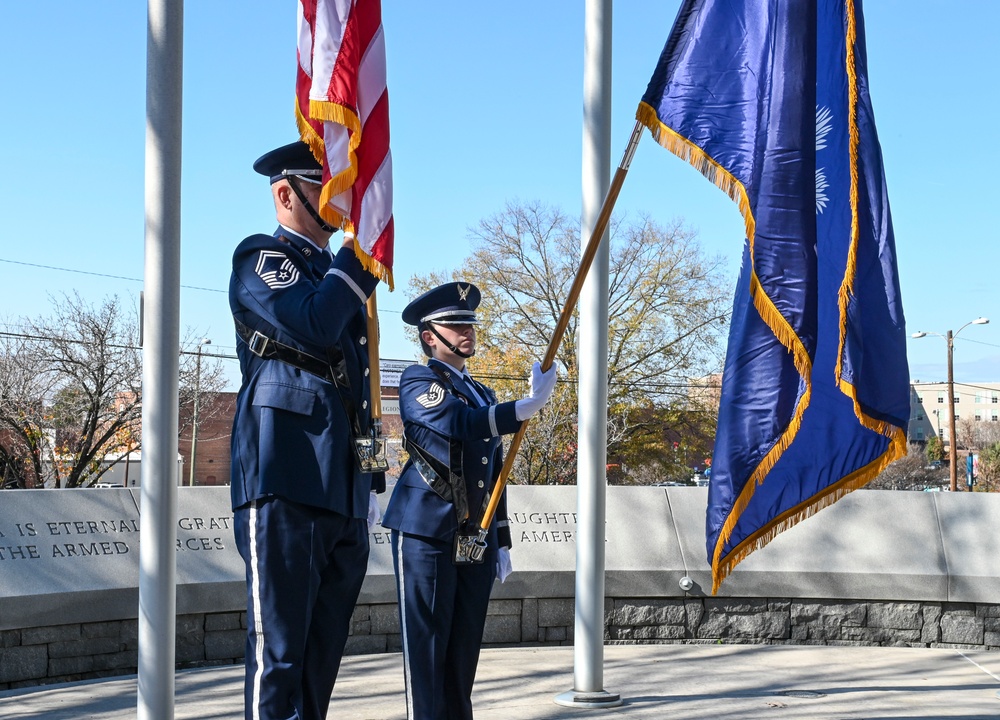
pixel 270 349
pixel 368 448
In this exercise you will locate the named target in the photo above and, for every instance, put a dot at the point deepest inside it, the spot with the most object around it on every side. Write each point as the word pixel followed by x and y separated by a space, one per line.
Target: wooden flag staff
pixel 371 450
pixel 470 548
pixel 375 374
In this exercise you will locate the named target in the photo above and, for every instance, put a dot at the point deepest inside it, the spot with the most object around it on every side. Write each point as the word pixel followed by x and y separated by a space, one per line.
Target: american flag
pixel 342 110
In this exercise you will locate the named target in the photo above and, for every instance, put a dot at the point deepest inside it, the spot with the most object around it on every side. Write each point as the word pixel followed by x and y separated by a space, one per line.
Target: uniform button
pixel 480 483
pixel 364 404
pixel 363 340
pixel 366 372
pixel 485 461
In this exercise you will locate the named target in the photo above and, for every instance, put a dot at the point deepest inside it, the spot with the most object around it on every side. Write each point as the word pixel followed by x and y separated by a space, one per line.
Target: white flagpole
pixel 591 480
pixel 161 342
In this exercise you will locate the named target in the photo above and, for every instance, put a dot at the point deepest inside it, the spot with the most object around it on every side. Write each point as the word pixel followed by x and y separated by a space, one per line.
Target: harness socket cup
pixel 469 549
pixel 370 452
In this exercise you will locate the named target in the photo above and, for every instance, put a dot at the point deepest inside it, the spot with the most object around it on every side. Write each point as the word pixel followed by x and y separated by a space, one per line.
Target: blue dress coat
pixel 291 435
pixel 442 606
pixel 300 504
pixel 432 416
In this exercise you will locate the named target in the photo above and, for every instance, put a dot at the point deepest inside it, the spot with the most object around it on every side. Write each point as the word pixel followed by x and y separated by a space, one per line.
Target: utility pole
pixel 194 419
pixel 952 440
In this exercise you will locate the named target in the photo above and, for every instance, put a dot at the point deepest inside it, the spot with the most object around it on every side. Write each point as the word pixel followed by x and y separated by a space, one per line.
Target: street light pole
pixel 952 440
pixel 197 393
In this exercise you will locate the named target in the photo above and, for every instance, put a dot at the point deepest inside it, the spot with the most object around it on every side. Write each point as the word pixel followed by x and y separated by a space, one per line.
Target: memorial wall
pixel 878 567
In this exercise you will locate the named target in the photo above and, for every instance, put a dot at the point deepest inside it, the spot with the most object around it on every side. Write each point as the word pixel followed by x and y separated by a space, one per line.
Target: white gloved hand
pixel 540 389
pixel 374 512
pixel 504 568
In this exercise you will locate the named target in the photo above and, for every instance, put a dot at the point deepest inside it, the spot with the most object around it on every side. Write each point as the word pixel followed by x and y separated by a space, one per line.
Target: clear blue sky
pixel 485 105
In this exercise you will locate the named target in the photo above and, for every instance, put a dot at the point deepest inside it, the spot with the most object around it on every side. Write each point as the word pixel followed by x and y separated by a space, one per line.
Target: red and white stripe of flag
pixel 342 110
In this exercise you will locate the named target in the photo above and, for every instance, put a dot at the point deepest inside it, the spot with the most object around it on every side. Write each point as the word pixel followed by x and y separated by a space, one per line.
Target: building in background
pixel 215 426
pixel 977 408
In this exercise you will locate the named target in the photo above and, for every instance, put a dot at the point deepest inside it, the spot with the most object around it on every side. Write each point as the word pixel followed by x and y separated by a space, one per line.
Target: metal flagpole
pixel 580 697
pixel 557 335
pixel 592 359
pixel 161 277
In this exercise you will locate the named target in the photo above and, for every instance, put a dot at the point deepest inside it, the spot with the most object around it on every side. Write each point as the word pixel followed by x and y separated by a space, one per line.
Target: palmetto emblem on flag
pixel 824 124
pixel 822 199
pixel 276 270
pixel 815 392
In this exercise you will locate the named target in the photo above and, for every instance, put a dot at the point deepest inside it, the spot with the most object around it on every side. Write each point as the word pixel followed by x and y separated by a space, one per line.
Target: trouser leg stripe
pixel 402 621
pixel 257 616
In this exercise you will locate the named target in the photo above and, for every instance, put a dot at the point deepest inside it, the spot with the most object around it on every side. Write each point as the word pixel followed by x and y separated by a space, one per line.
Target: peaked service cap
pixel 293 159
pixel 449 304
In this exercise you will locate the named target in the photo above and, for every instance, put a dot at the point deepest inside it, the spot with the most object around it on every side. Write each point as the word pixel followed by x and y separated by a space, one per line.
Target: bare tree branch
pixel 71 395
pixel 668 308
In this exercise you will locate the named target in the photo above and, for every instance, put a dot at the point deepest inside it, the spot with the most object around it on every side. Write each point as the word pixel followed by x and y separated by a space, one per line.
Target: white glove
pixel 504 568
pixel 540 389
pixel 374 513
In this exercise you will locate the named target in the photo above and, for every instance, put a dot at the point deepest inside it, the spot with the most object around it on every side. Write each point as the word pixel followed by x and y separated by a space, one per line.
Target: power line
pixel 648 386
pixel 977 342
pixel 96 274
pixel 956 383
pixel 131 279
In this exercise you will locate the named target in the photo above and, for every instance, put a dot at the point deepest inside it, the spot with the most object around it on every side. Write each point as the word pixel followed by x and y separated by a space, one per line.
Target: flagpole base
pixel 600 699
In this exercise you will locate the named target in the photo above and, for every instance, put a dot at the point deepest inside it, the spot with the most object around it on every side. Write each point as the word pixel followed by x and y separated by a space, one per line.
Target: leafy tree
pixel 935 449
pixel 668 312
pixel 982 438
pixel 70 393
pixel 988 479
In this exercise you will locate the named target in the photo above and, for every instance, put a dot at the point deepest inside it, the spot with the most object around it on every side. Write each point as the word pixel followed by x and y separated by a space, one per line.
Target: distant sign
pixel 391 370
pixel 390 406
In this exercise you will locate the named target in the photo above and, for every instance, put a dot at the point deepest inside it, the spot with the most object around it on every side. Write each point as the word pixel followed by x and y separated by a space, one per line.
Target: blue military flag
pixel 769 100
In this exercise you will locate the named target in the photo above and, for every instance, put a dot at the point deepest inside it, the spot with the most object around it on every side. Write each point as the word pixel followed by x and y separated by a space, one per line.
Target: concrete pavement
pixel 721 682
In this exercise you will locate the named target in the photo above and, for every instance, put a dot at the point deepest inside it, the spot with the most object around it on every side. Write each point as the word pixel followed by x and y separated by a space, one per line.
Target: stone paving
pixel 694 682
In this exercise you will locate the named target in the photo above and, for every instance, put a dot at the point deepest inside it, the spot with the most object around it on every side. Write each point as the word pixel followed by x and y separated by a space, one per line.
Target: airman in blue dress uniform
pixel 453 427
pixel 300 502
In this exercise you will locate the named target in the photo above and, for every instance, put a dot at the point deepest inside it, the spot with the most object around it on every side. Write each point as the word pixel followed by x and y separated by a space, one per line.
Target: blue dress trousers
pixel 299 502
pixel 457 422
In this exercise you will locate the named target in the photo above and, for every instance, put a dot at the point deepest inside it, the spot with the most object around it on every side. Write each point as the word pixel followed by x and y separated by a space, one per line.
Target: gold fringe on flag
pixel 332 112
pixel 369 263
pixel 793 516
pixel 723 566
pixel 769 313
pixel 846 291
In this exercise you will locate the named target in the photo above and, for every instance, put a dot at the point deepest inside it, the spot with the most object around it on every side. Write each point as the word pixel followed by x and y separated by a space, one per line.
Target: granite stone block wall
pixel 80 651
pixel 65 653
